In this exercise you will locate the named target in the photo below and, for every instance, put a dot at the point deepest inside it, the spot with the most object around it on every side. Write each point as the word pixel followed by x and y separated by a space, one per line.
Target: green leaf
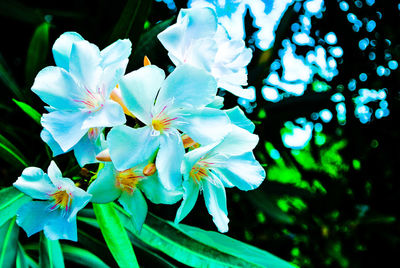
pixel 35 115
pixel 37 51
pixel 195 247
pixel 23 260
pixel 82 257
pixel 16 10
pixel 7 149
pixel 11 201
pixel 8 80
pixel 9 243
pixel 50 254
pixel 125 21
pixel 115 235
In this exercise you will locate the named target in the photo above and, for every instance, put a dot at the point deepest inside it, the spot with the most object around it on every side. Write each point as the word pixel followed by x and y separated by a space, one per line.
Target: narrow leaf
pixel 8 80
pixel 35 115
pixel 82 257
pixel 8 243
pixel 11 201
pixel 115 235
pixel 125 21
pixel 37 51
pixel 50 254
pixel 7 149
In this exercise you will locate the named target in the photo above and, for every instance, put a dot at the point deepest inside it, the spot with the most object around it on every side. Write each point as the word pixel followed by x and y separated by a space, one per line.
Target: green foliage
pixel 50 254
pixel 82 257
pixel 8 243
pixel 7 149
pixel 35 115
pixel 7 79
pixel 12 200
pixel 115 235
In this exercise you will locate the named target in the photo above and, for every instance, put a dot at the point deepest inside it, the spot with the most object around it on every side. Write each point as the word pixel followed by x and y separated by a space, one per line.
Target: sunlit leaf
pixel 50 254
pixel 35 115
pixel 8 243
pixel 37 51
pixel 82 256
pixel 11 201
pixel 24 260
pixel 115 235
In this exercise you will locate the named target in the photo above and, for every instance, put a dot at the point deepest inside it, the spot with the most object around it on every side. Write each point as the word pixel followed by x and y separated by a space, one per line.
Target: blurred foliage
pixel 331 204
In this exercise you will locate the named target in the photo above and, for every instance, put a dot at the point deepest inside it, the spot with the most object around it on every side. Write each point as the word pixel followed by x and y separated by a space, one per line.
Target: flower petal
pixel 35 183
pixel 86 149
pixel 112 75
pixel 215 199
pixel 116 52
pixel 169 159
pixel 33 216
pixel 84 64
pixel 60 228
pixel 237 117
pixel 80 198
pixel 188 87
pixel 217 103
pixel 190 194
pixel 65 127
pixel 139 89
pixel 130 147
pixel 243 171
pixel 238 141
pixel 53 171
pixel 62 48
pixel 136 206
pixel 104 189
pixel 56 87
pixel 205 126
pixel 156 193
pixel 51 142
pixel 111 114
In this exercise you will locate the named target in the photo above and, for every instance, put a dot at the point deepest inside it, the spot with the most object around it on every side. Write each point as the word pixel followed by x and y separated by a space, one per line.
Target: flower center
pixel 62 199
pixel 200 171
pixel 127 180
pixel 93 133
pixel 93 100
pixel 162 122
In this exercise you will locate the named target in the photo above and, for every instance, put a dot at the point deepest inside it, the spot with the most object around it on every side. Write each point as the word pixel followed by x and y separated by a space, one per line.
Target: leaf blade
pixel 50 253
pixel 82 256
pixel 35 115
pixel 12 200
pixel 9 245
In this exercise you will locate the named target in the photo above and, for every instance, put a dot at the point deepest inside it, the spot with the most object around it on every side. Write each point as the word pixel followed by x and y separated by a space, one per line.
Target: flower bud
pixel 149 169
pixel 104 156
pixel 188 142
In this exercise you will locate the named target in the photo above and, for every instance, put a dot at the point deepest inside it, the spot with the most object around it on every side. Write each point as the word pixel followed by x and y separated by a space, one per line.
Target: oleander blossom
pixel 166 106
pixel 223 164
pixel 198 39
pixel 127 186
pixel 60 200
pixel 78 90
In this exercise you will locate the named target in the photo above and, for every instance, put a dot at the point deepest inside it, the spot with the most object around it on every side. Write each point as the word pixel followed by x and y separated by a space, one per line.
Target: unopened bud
pixel 116 96
pixel 149 169
pixel 146 61
pixel 188 142
pixel 104 156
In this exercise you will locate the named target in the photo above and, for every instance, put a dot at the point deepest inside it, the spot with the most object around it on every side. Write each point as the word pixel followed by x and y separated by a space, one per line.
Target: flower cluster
pixel 181 144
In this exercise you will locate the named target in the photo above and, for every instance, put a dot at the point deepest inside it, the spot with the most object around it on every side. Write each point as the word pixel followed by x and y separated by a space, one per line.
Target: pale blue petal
pixel 217 103
pixel 139 90
pixel 80 198
pixel 135 204
pixel 202 53
pixel 238 141
pixel 173 39
pixel 205 126
pixel 215 199
pixel 104 189
pixel 130 147
pixel 111 114
pixel 237 117
pixel 60 228
pixel 84 64
pixel 53 171
pixel 62 48
pixel 35 183
pixel 116 52
pixel 225 181
pixel 51 142
pixel 243 171
pixel 188 87
pixel 169 159
pixel 56 87
pixel 191 158
pixel 33 216
pixel 156 193
pixel 112 75
pixel 190 194
pixel 86 149
pixel 65 127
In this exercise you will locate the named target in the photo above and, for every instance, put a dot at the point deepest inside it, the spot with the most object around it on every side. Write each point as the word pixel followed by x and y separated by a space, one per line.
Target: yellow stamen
pixel 127 180
pixel 62 199
pixel 198 173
